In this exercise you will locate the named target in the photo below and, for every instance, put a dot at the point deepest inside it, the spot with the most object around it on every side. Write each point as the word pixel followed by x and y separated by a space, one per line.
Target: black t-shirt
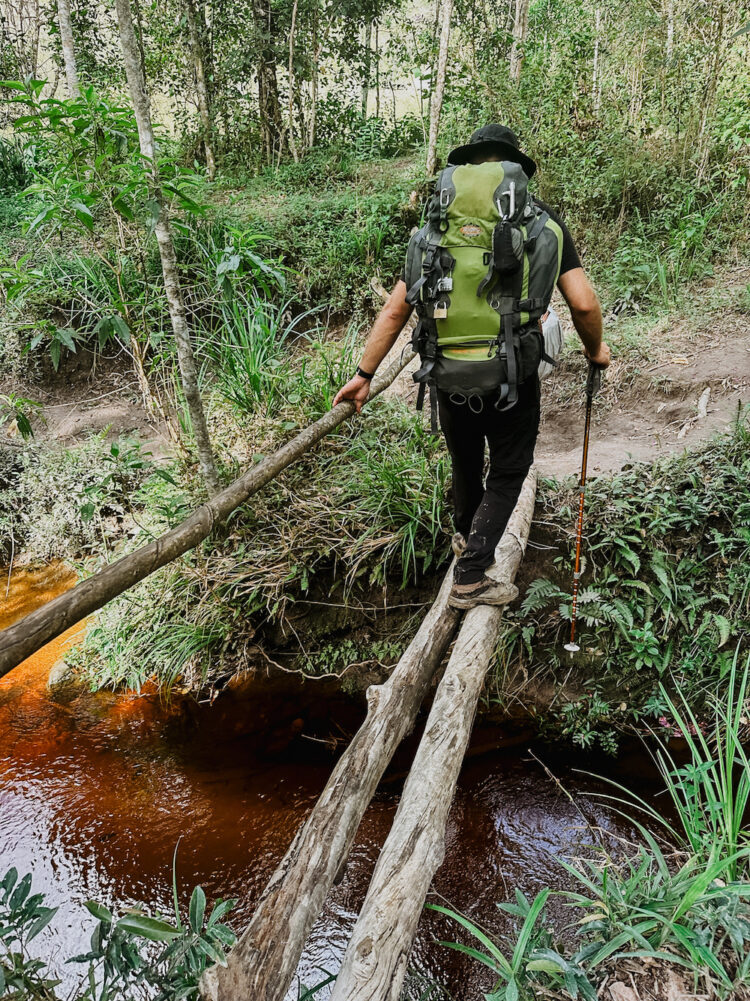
pixel 570 258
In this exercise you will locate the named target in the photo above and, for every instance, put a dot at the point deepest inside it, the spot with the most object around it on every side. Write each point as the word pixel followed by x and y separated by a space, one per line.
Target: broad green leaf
pixel 150 928
pixel 197 909
pixel 100 912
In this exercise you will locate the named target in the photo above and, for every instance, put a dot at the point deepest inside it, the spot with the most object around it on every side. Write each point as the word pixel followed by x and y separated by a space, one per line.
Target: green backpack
pixel 481 273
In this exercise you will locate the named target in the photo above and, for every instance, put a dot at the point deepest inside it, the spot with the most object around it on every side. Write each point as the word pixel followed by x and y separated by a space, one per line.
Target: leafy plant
pixel 530 953
pixel 19 410
pixel 23 917
pixel 132 956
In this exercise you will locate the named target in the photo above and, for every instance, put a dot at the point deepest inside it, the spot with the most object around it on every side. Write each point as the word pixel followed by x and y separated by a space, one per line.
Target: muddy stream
pixel 96 789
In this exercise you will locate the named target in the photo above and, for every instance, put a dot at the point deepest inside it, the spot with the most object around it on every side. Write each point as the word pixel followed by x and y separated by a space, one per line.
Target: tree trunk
pixel 197 33
pixel 186 359
pixel 378 953
pixel 520 31
pixel 292 29
pixel 436 102
pixel 68 48
pixel 312 121
pixel 670 30
pixel 377 70
pixel 269 106
pixel 29 634
pixel 366 68
pixel 265 958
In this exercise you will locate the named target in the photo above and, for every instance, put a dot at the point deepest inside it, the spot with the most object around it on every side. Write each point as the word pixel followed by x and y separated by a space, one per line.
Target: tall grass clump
pixel 681 900
pixel 366 514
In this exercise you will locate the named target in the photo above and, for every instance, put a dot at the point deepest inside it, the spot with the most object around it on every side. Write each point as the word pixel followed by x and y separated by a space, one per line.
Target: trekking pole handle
pixel 593 380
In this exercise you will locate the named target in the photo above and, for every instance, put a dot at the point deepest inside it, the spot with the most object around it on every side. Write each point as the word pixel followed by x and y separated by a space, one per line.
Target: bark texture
pixel 263 962
pixel 436 102
pixel 177 315
pixel 29 634
pixel 367 45
pixel 292 140
pixel 520 31
pixel 376 959
pixel 269 106
pixel 68 47
pixel 196 29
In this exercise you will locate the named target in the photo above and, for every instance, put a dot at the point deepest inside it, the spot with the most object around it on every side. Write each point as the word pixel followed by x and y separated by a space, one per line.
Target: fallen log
pixel 30 633
pixel 376 958
pixel 263 962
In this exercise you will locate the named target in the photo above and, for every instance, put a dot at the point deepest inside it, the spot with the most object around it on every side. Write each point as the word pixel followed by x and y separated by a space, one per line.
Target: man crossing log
pixel 481 273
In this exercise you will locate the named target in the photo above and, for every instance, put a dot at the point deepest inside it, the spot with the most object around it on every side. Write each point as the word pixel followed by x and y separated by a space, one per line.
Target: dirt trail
pixel 86 396
pixel 645 410
pixel 651 411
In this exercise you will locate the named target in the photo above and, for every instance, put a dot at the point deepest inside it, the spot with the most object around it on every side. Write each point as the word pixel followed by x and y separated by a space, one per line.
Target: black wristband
pixel 365 375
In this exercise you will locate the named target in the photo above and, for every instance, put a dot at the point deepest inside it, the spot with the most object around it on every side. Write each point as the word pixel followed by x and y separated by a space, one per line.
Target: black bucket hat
pixel 493 137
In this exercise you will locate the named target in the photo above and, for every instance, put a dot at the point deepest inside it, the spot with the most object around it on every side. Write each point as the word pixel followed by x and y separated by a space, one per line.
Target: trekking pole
pixel 593 381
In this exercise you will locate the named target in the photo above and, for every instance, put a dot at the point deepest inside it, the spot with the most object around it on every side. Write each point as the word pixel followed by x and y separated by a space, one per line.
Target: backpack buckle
pixel 445 284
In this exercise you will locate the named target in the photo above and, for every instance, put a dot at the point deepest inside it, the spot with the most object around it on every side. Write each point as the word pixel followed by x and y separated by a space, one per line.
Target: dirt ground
pixel 643 411
pixel 89 394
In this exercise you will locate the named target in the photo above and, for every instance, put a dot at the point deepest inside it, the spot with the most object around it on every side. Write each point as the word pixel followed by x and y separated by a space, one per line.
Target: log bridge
pixel 264 960
pixel 262 964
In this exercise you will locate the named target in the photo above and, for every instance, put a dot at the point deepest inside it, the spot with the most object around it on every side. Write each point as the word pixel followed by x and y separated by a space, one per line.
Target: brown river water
pixel 97 790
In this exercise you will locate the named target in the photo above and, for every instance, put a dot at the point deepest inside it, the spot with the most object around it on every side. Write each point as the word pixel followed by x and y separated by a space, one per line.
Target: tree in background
pixel 197 33
pixel 520 30
pixel 436 102
pixel 68 48
pixel 186 358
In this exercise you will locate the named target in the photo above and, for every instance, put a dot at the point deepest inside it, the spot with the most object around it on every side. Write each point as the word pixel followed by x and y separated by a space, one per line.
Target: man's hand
pixel 357 390
pixel 603 356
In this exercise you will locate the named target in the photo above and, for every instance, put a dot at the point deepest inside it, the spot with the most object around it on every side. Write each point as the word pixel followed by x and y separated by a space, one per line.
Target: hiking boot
pixel 458 545
pixel 482 592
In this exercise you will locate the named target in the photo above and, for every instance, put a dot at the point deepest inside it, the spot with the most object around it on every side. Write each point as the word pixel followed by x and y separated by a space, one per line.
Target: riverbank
pixel 99 789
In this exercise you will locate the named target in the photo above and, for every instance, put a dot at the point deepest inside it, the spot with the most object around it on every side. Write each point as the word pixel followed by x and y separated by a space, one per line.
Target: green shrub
pixel 666 586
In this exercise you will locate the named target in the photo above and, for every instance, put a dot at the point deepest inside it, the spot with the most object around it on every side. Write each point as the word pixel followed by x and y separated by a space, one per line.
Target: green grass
pixel 336 228
pixel 68 503
pixel 366 510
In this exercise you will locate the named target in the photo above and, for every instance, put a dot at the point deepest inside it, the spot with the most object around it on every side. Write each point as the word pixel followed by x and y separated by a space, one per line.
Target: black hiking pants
pixel 482 510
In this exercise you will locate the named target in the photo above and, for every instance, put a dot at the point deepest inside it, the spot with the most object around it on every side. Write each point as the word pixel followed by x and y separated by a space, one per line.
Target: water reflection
pixel 95 793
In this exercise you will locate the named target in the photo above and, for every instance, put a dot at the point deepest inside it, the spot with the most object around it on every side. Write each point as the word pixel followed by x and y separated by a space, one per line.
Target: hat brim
pixel 463 154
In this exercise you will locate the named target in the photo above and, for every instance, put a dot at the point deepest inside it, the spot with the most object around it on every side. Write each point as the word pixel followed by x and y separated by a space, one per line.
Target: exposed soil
pixel 87 395
pixel 643 411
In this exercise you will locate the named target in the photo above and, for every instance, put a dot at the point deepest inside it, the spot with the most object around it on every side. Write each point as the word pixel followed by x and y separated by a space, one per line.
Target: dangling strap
pixel 509 390
pixel 434 423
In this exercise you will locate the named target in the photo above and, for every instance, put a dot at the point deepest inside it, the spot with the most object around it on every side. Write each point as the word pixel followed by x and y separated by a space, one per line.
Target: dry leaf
pixel 621 992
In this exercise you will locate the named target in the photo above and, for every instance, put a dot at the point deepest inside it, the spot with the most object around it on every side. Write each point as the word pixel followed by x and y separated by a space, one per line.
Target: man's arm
pixel 586 314
pixel 380 340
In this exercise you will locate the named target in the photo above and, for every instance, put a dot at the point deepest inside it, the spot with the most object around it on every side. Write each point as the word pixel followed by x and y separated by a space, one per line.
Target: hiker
pixel 480 274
